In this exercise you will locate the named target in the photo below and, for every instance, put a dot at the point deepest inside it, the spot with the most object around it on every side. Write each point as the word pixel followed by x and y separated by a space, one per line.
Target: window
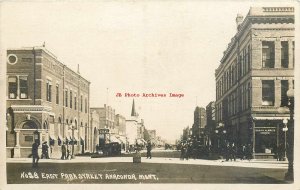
pixel 85 105
pixel 81 103
pixel 23 87
pixel 284 54
pixel 284 89
pixel 66 97
pixel 249 58
pixel 48 91
pixel 75 102
pixel 71 97
pixel 268 55
pixel 268 94
pixel 12 87
pixel 57 93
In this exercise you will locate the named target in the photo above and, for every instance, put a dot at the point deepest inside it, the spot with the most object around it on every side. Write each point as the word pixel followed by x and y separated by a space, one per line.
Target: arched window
pixel 29 125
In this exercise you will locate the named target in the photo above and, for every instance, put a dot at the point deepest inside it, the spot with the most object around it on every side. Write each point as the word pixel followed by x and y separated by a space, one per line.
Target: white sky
pixel 134 47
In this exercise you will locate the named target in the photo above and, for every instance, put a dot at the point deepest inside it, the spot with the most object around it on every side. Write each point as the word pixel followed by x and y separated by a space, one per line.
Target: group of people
pixel 35 153
pixel 279 152
pixel 65 152
pixel 190 149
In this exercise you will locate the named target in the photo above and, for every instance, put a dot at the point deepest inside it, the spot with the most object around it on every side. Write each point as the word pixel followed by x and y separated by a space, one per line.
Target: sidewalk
pixel 159 160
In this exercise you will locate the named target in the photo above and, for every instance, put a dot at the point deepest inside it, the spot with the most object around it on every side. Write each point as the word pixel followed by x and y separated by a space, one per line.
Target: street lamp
pixel 218 142
pixel 285 129
pixel 290 151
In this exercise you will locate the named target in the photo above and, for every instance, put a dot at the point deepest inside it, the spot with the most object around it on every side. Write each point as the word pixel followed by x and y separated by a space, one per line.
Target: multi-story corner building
pixel 186 133
pixel 46 102
pixel 255 73
pixel 210 123
pixel 120 124
pixel 95 128
pixel 106 117
pixel 199 122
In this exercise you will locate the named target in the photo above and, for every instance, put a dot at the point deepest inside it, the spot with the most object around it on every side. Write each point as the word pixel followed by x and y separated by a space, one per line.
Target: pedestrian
pixel 232 152
pixel 35 155
pixel 243 152
pixel 281 151
pixel 249 152
pixel 149 147
pixel 227 152
pixel 45 153
pixel 186 151
pixel 68 153
pixel 181 146
pixel 63 151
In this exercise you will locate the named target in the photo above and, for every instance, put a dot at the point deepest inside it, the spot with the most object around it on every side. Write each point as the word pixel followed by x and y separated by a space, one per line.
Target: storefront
pixel 268 134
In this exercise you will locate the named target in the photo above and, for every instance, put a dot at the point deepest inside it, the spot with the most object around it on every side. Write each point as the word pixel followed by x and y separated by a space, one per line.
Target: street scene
pixel 162 93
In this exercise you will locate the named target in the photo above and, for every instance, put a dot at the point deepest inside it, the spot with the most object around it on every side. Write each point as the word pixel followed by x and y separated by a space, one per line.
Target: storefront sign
pixel 265 130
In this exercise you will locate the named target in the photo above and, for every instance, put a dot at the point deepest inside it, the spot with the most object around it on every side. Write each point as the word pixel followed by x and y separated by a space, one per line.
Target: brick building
pixel 255 73
pixel 46 101
pixel 199 123
pixel 210 123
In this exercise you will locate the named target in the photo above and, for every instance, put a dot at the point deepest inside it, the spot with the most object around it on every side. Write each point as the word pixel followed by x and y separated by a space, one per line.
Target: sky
pixel 134 47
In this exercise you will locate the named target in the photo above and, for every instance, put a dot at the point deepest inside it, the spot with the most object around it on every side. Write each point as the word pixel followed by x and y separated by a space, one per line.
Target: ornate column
pixel 17 138
pixel 17 150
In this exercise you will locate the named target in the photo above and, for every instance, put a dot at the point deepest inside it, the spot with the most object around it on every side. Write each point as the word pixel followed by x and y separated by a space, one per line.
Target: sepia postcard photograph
pixel 159 94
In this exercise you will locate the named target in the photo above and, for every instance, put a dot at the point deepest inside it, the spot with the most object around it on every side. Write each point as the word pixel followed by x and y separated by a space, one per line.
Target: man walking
pixel 35 155
pixel 45 153
pixel 63 151
pixel 149 147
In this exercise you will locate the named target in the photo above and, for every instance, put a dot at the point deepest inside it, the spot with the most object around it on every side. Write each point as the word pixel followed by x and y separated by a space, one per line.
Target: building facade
pixel 253 77
pixel 46 102
pixel 95 128
pixel 210 124
pixel 199 123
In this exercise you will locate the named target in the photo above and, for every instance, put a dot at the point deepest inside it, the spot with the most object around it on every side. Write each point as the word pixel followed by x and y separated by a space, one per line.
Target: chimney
pixel 239 20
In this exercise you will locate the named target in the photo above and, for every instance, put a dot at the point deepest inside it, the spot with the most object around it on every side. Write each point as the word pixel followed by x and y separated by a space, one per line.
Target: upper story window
pixel 81 103
pixel 23 87
pixel 57 93
pixel 268 54
pixel 284 89
pixel 66 97
pixel 71 97
pixel 48 91
pixel 268 93
pixel 75 101
pixel 12 87
pixel 284 54
pixel 17 85
pixel 85 105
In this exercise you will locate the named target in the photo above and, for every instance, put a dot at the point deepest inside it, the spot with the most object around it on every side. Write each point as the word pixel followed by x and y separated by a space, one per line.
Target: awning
pixel 114 139
pixel 270 118
pixel 68 138
pixel 131 141
pixel 52 137
pixel 140 141
pixel 60 137
pixel 76 138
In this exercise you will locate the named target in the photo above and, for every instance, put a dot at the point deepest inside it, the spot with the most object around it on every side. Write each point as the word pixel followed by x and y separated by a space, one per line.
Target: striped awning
pixel 52 137
pixel 270 118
